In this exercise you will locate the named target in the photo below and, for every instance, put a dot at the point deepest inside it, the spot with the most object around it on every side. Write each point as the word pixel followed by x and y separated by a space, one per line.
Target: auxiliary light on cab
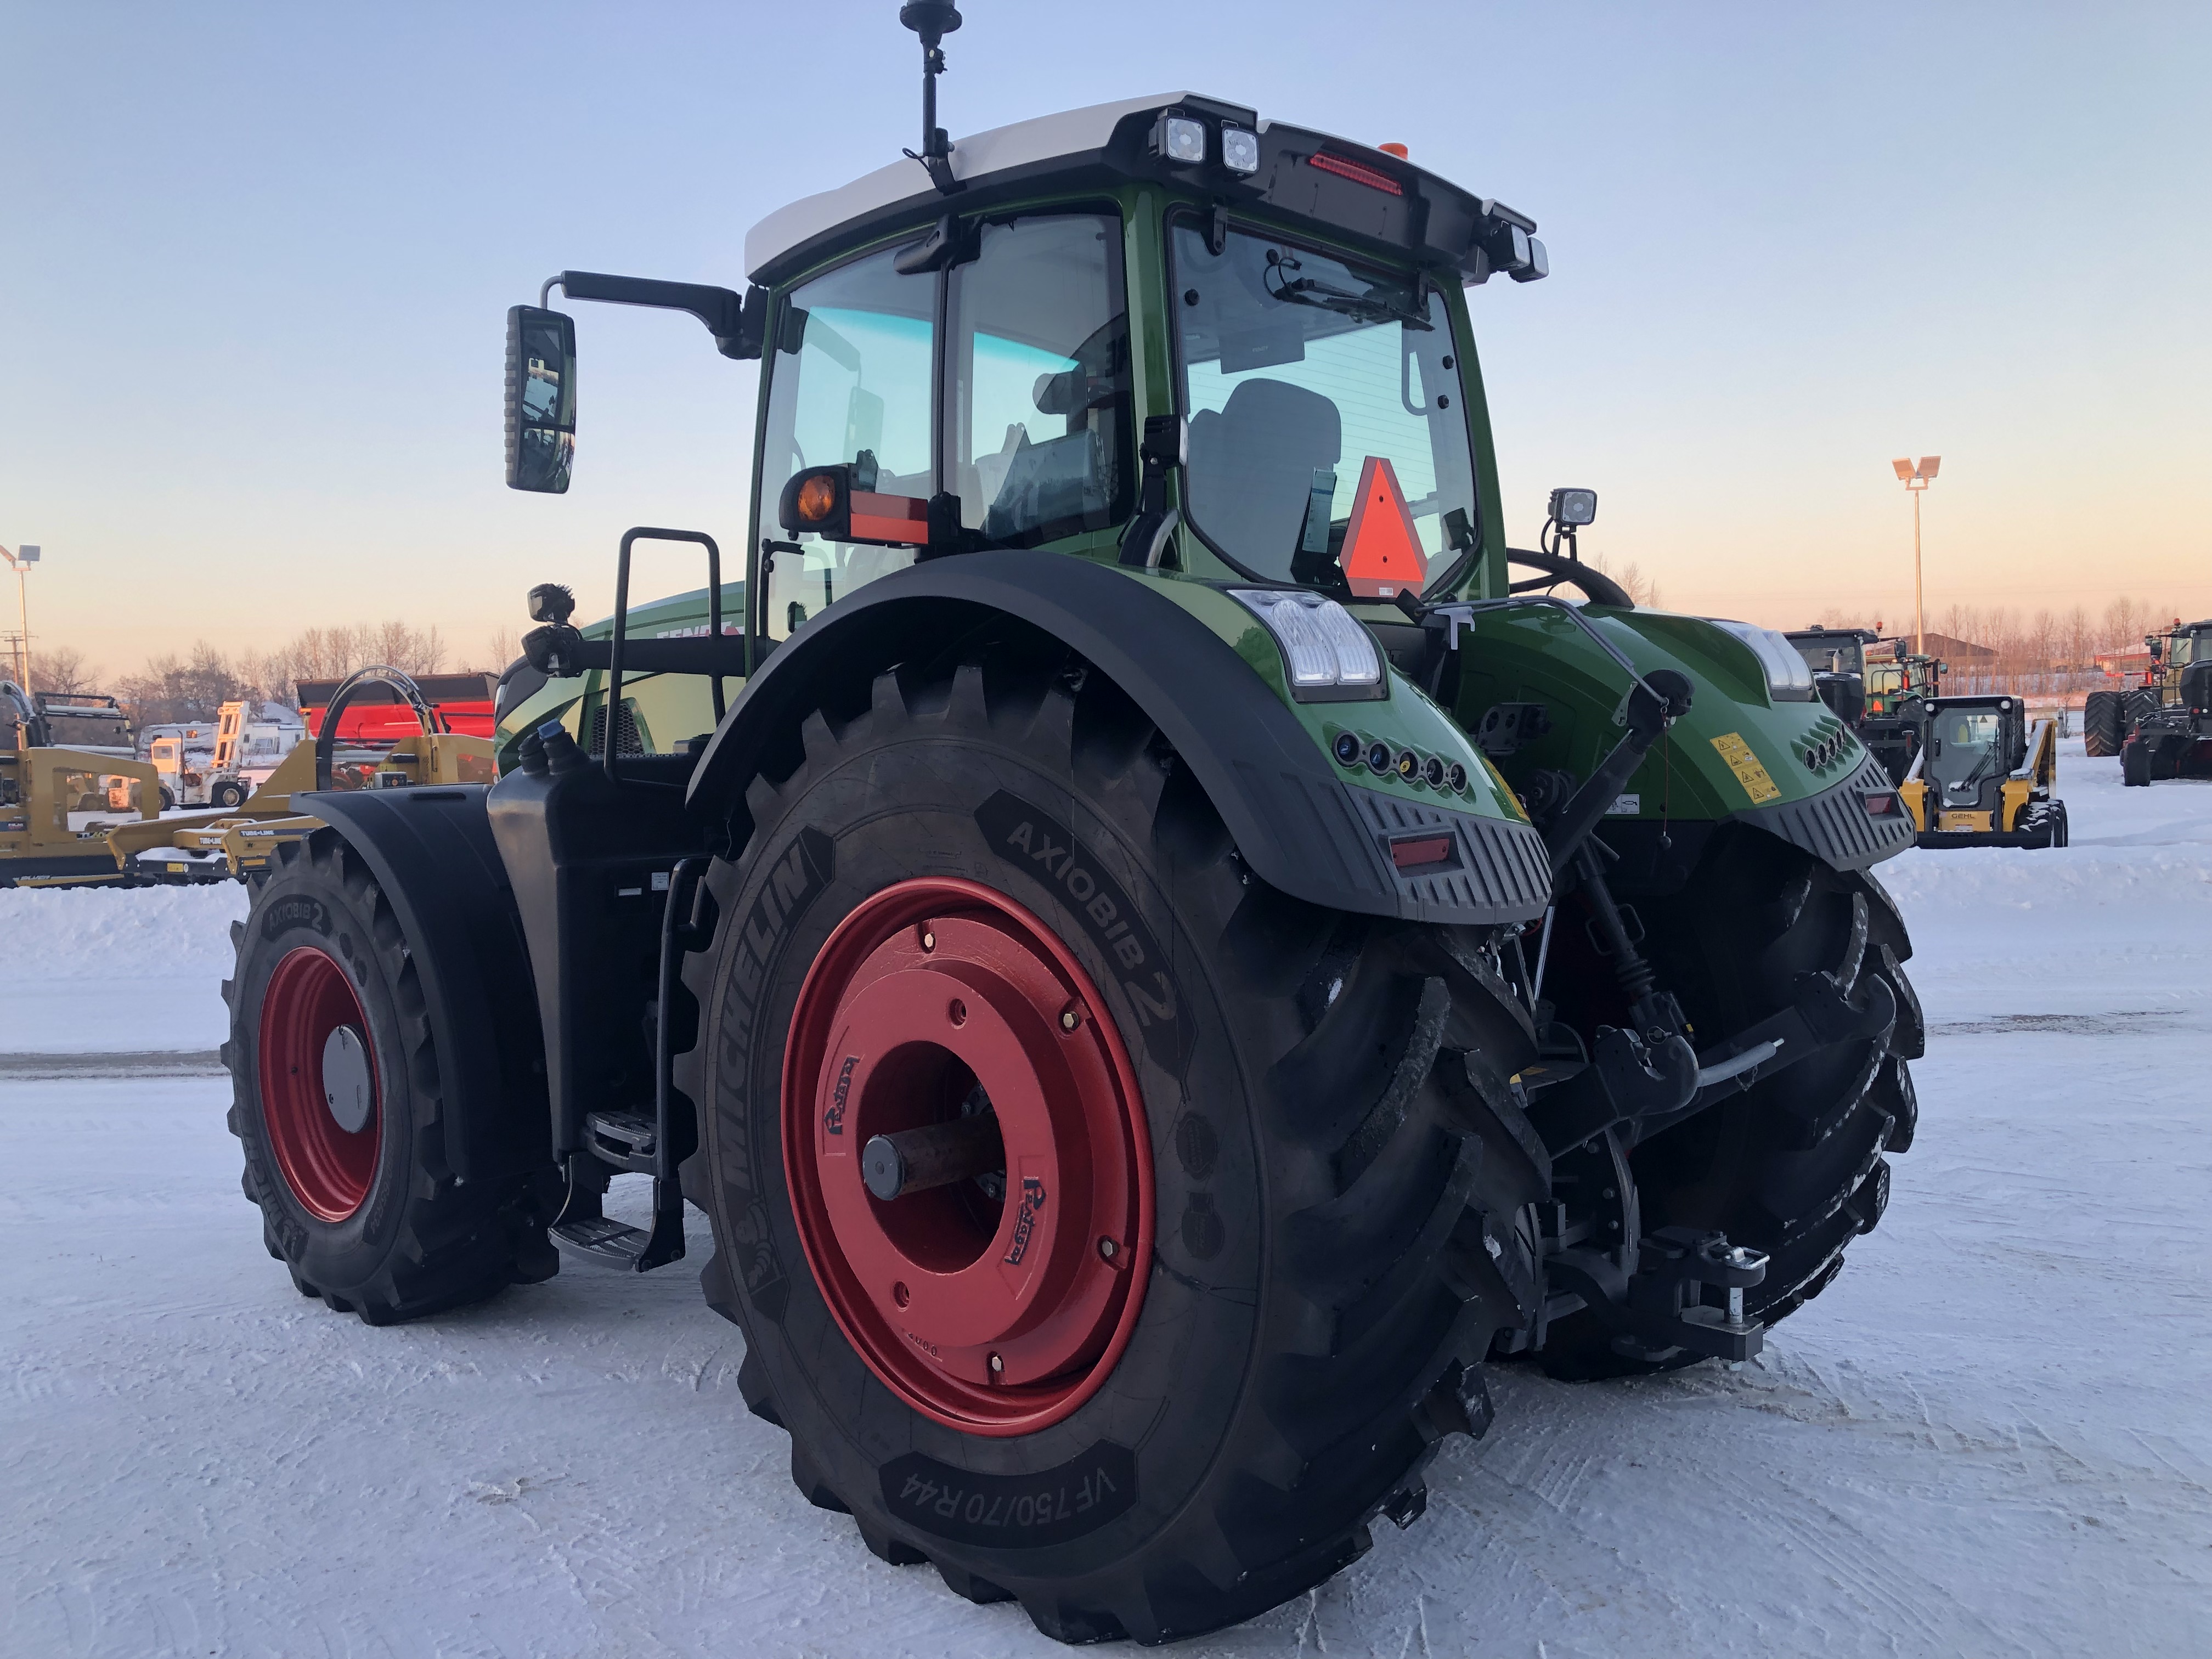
pixel 1240 150
pixel 1180 138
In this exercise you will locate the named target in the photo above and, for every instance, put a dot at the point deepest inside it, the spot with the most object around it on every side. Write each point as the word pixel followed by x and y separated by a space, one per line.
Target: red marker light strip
pixel 1358 174
pixel 1419 854
pixel 902 519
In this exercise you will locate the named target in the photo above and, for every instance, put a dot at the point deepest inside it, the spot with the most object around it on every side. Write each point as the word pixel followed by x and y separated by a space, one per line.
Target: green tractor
pixel 2162 728
pixel 1160 959
pixel 1899 686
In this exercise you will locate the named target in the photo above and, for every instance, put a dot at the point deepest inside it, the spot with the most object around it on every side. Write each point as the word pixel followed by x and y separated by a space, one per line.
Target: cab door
pixel 996 389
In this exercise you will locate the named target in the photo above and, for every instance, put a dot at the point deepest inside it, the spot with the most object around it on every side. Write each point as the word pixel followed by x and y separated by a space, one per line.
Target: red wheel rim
pixel 994 1318
pixel 327 1166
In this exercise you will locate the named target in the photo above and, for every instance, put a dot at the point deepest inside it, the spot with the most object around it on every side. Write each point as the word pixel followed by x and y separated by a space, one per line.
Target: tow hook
pixel 1687 1292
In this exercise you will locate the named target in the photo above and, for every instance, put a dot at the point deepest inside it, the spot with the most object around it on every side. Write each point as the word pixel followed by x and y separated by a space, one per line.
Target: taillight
pixel 1421 852
pixel 1345 168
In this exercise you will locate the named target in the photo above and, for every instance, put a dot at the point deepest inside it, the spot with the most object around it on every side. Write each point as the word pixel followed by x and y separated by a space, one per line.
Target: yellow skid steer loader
pixel 1984 778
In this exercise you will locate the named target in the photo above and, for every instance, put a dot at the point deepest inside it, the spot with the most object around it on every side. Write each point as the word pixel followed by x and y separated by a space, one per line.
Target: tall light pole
pixel 22 558
pixel 1915 478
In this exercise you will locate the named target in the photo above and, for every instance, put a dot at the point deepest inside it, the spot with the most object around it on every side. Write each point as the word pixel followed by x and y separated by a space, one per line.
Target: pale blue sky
pixel 254 262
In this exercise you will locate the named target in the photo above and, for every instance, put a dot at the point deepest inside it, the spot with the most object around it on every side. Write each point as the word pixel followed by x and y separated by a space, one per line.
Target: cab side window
pixel 850 382
pixel 1037 380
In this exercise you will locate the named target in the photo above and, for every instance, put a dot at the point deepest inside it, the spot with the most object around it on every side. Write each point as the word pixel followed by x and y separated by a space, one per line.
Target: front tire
pixel 1319 1106
pixel 2135 763
pixel 2103 723
pixel 338 1103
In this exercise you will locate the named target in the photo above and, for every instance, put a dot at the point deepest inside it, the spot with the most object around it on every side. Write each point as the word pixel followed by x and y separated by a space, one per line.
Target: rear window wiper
pixel 1367 308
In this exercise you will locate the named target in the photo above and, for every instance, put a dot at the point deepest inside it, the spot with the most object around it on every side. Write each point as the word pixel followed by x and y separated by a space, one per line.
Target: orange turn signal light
pixel 817 498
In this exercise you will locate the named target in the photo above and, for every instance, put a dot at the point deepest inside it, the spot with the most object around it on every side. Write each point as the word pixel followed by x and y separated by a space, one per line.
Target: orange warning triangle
pixel 1381 553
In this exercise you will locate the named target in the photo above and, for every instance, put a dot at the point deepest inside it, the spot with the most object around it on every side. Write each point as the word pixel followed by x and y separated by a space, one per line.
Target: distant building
pixel 1939 645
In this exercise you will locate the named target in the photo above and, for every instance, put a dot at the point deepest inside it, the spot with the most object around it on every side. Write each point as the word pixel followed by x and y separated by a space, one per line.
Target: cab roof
pixel 1354 191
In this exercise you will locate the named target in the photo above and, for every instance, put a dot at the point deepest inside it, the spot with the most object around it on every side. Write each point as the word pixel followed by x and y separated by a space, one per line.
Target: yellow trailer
pixel 232 844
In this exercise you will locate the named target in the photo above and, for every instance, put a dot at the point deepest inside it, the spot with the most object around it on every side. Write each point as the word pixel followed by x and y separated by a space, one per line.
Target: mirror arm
pixel 737 322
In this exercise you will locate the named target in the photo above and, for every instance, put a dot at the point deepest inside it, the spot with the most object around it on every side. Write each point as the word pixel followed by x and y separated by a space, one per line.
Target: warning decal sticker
pixel 1748 772
pixel 1381 553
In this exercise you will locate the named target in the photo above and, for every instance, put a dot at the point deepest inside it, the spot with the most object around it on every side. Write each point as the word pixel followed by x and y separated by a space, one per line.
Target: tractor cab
pixel 1163 333
pixel 1837 656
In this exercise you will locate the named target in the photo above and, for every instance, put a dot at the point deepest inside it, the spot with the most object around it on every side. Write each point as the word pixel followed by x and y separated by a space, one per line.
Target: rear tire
pixel 357 1199
pixel 1340 1179
pixel 1792 1166
pixel 2103 723
pixel 227 795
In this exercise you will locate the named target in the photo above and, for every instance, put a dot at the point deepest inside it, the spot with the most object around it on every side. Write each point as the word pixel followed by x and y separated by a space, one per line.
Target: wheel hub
pixel 319 1091
pixel 349 1090
pixel 948 1049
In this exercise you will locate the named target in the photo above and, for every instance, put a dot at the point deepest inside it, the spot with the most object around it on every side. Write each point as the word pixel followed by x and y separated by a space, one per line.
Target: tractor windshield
pixel 1314 387
pixel 1965 751
pixel 1831 653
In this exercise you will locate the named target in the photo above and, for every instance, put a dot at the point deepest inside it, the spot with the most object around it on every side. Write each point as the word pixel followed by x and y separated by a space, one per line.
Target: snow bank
pixel 89 969
pixel 95 932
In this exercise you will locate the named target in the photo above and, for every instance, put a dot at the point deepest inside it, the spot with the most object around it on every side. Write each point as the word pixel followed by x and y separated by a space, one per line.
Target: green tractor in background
pixel 2162 728
pixel 1159 958
pixel 1875 686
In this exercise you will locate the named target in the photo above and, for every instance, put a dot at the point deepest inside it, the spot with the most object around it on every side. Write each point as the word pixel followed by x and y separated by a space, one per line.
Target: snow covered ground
pixel 1990 1436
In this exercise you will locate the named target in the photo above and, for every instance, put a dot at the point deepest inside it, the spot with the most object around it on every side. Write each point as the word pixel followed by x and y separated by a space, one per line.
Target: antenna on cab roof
pixel 932 20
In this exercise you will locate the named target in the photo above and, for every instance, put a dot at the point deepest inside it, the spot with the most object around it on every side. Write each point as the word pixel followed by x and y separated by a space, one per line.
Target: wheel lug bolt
pixel 997 1365
pixel 928 939
pixel 1070 1018
pixel 958 1013
pixel 1106 1248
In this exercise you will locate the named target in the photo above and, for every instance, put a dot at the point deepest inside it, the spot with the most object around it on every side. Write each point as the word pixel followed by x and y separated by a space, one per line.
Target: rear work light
pixel 1880 803
pixel 1345 168
pixel 1179 138
pixel 1240 150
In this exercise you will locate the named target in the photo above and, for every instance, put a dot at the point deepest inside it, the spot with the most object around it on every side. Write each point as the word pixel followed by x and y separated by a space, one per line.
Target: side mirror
pixel 540 399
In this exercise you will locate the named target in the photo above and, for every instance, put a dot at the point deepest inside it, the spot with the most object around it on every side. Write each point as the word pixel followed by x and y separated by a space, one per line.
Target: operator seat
pixel 1252 463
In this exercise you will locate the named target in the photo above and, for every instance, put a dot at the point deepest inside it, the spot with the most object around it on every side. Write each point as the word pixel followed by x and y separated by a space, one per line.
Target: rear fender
pixel 1295 820
pixel 431 851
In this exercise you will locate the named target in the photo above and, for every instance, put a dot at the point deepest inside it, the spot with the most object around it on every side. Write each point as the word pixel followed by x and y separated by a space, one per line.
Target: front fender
pixel 1296 819
pixel 432 852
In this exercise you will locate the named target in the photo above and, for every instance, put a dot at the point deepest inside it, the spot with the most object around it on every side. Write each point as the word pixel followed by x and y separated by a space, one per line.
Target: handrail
pixel 374 674
pixel 610 700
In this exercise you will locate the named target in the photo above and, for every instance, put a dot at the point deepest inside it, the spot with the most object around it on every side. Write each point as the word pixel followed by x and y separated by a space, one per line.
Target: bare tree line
pixel 2037 653
pixel 193 686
